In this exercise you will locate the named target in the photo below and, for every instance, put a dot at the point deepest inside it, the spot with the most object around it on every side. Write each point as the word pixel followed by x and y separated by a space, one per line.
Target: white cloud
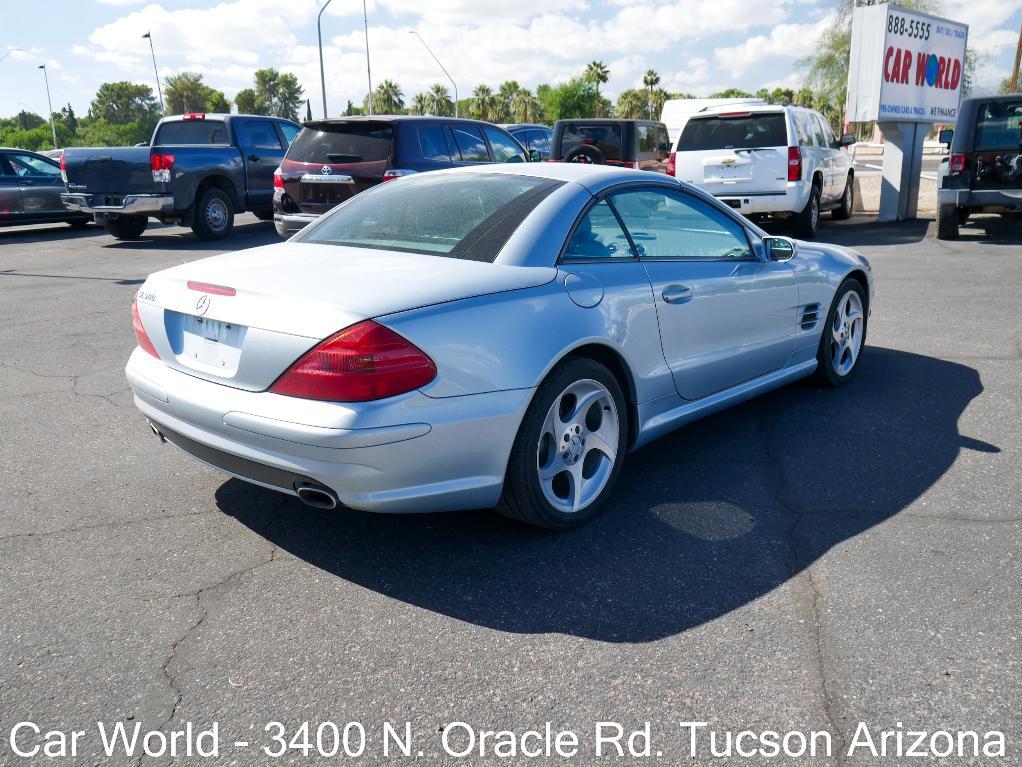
pixel 787 40
pixel 695 73
pixel 122 2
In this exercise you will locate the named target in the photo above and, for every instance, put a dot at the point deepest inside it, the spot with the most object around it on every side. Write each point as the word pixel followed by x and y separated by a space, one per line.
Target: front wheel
pixel 567 455
pixel 126 227
pixel 844 335
pixel 214 214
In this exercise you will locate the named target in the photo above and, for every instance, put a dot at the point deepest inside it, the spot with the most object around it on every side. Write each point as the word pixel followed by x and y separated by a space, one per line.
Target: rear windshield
pixel 606 138
pixel 747 131
pixel 467 216
pixel 350 142
pixel 999 125
pixel 193 132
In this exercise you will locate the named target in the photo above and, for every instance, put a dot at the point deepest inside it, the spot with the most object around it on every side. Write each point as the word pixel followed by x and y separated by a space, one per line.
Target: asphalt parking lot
pixel 809 560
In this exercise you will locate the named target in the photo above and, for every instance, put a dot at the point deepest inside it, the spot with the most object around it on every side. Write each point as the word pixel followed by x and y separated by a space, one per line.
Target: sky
pixel 697 46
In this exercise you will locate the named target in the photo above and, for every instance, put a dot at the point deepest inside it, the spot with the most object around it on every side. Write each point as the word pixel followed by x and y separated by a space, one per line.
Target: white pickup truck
pixel 782 161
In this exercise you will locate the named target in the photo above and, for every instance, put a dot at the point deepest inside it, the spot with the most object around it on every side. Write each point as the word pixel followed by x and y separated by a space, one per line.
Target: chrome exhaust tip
pixel 157 431
pixel 317 496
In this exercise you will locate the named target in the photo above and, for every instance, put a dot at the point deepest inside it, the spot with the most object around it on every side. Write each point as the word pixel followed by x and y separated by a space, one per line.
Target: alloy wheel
pixel 578 446
pixel 846 333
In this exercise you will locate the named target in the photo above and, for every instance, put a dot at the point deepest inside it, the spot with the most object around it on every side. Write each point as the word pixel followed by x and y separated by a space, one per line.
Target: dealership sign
pixel 905 66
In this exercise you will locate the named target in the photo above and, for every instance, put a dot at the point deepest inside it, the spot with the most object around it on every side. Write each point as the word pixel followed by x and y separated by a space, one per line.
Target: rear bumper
pixel 130 205
pixel 406 454
pixel 289 223
pixel 792 200
pixel 981 198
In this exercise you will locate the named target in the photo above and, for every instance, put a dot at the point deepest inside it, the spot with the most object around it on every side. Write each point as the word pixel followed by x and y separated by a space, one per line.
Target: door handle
pixel 253 158
pixel 677 294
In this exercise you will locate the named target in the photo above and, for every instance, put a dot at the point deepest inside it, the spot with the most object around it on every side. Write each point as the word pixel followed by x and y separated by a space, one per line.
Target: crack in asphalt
pixel 101 525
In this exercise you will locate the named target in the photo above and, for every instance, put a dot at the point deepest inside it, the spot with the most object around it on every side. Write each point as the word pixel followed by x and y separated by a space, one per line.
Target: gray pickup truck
pixel 198 171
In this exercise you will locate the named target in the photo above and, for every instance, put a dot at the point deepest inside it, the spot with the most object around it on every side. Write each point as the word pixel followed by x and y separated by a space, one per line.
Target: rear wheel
pixel 844 335
pixel 214 214
pixel 567 455
pixel 126 227
pixel 808 220
pixel 947 222
pixel 844 210
pixel 587 155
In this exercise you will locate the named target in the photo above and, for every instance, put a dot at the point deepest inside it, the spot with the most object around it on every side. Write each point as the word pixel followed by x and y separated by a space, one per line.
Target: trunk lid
pixel 108 170
pixel 735 153
pixel 288 297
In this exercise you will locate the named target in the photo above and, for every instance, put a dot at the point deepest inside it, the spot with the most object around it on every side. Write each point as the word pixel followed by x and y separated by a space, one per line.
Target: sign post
pixel 905 72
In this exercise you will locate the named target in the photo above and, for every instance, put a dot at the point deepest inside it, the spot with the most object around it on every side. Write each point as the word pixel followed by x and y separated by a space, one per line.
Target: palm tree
pixel 631 104
pixel 389 98
pixel 651 80
pixel 438 99
pixel 526 106
pixel 484 102
pixel 659 97
pixel 420 104
pixel 505 100
pixel 597 73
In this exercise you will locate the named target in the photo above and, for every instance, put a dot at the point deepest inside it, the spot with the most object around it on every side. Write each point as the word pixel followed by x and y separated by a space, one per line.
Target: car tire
pixel 80 223
pixel 843 212
pixel 214 214
pixel 963 216
pixel 126 227
pixel 844 336
pixel 266 214
pixel 807 221
pixel 587 155
pixel 947 222
pixel 580 402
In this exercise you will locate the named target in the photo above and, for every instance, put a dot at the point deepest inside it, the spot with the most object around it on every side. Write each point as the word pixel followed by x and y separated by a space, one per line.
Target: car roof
pixel 392 118
pixel 521 126
pixel 725 108
pixel 592 177
pixel 607 120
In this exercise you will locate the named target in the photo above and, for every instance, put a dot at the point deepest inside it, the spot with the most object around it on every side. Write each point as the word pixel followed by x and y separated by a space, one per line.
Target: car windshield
pixel 343 143
pixel 748 131
pixel 999 125
pixel 459 215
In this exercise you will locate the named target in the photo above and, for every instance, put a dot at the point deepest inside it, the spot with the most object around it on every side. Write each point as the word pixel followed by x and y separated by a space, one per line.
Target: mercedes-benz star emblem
pixel 202 304
pixel 325 170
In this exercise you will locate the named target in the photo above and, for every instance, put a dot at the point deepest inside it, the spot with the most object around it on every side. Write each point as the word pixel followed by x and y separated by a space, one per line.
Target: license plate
pixel 326 178
pixel 212 345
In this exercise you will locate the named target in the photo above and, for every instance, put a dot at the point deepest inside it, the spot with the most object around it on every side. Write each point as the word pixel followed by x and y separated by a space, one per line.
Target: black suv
pixel 641 144
pixel 333 159
pixel 983 173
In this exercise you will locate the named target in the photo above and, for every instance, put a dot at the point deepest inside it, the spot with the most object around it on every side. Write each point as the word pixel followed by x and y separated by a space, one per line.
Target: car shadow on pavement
pixel 27 234
pixel 703 521
pixel 248 235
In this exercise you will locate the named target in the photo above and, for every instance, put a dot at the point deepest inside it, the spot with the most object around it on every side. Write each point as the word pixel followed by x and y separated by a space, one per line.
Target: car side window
pixel 433 143
pixel 470 143
pixel 540 140
pixel 664 223
pixel 805 136
pixel 258 134
pixel 817 130
pixel 828 135
pixel 663 143
pixel 647 141
pixel 290 131
pixel 598 235
pixel 27 165
pixel 504 147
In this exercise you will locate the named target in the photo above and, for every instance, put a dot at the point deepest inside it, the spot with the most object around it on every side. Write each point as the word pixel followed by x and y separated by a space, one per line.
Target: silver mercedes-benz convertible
pixel 491 336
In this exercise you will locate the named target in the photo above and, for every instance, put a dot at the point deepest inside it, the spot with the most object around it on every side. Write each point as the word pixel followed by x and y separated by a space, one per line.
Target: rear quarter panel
pixel 193 164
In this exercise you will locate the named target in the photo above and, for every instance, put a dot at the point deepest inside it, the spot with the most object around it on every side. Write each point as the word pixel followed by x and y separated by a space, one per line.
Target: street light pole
pixel 413 32
pixel 159 89
pixel 369 71
pixel 9 52
pixel 319 35
pixel 53 128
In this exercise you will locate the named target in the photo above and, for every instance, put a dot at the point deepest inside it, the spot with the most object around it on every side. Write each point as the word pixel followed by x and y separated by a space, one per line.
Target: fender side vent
pixel 810 316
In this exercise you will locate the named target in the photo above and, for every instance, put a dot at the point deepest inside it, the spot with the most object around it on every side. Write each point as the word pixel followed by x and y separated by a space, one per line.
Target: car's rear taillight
pixel 140 335
pixel 195 116
pixel 63 167
pixel 956 163
pixel 672 166
pixel 794 163
pixel 278 179
pixel 162 164
pixel 363 362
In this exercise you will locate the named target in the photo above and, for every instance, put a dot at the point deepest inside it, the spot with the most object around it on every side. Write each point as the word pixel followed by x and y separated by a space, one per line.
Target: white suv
pixel 778 160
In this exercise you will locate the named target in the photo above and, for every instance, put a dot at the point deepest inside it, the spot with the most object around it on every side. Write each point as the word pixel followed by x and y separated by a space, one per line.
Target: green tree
pixel 438 100
pixel 731 93
pixel 526 107
pixel 121 103
pixel 68 117
pixel 504 109
pixel 247 102
pixel 185 92
pixel 631 104
pixel 218 102
pixel 420 104
pixel 651 80
pixel 389 98
pixel 278 94
pixel 573 99
pixel 483 103
pixel 597 73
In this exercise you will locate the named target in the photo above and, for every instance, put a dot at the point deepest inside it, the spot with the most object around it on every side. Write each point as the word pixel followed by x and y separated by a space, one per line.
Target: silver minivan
pixel 783 161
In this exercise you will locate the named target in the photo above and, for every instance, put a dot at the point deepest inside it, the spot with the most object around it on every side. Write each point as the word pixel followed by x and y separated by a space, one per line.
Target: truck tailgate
pixel 108 170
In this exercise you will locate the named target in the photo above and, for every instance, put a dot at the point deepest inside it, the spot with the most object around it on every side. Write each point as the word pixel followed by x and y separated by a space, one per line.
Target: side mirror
pixel 945 136
pixel 847 139
pixel 535 156
pixel 780 248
